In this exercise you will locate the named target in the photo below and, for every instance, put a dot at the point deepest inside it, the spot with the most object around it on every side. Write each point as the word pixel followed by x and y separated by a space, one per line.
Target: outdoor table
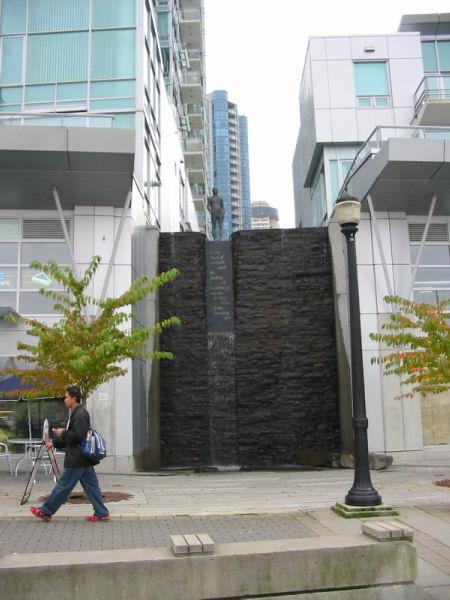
pixel 31 447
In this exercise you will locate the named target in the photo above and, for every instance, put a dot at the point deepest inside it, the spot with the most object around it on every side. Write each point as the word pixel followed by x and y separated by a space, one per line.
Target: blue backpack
pixel 94 446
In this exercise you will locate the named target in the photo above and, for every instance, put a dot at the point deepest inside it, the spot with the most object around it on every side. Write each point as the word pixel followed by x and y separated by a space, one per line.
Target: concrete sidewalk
pixel 237 506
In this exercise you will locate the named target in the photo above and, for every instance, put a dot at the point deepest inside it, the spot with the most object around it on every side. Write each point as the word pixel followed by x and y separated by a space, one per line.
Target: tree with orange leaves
pixel 421 334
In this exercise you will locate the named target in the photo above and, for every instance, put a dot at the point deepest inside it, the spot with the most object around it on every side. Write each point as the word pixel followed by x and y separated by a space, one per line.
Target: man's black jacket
pixel 71 438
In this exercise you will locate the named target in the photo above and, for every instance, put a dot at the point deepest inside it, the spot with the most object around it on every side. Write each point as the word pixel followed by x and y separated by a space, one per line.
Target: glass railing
pixel 190 14
pixel 191 77
pixel 432 87
pixel 193 145
pixel 194 53
pixel 382 134
pixel 194 109
pixel 61 119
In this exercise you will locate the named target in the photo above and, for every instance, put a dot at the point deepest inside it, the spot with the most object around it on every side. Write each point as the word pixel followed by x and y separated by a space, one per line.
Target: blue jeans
pixel 70 477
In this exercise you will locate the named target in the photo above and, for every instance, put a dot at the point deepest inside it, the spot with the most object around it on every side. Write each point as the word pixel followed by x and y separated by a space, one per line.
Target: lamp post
pixel 362 493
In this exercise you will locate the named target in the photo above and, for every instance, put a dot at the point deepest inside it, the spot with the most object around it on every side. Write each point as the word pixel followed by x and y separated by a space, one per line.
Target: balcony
pixel 196 176
pixel 195 58
pixel 195 115
pixel 432 100
pixel 87 164
pixel 191 87
pixel 191 26
pixel 402 168
pixel 193 154
pixel 198 195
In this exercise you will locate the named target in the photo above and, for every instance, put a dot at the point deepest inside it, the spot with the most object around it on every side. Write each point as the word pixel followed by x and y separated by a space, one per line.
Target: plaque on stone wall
pixel 219 287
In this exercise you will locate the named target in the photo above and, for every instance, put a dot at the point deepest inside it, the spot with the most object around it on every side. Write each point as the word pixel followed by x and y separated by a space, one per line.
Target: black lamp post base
pixel 363 497
pixel 359 512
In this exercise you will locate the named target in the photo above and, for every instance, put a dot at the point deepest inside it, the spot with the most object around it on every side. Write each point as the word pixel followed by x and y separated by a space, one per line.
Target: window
pixel 371 84
pixel 11 65
pixel 338 172
pixel 113 54
pixel 57 15
pixel 432 282
pixel 319 200
pixel 113 13
pixel 31 239
pixel 429 57
pixel 57 57
pixel 13 16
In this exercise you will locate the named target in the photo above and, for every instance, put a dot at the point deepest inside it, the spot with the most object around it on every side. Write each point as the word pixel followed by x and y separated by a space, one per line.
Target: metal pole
pixel 126 206
pixel 66 233
pixel 362 492
pixel 380 245
pixel 422 244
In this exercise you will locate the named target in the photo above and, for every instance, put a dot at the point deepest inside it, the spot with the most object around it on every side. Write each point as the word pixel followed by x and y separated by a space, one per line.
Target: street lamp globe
pixel 348 210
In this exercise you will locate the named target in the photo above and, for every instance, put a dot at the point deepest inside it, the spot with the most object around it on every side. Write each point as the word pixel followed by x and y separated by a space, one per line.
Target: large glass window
pixel 58 15
pixel 338 173
pixel 13 16
pixel 57 57
pixel 319 200
pixel 113 54
pixel 11 65
pixel 113 13
pixel 436 56
pixel 372 84
pixel 432 281
pixel 18 282
pixel 444 55
pixel 429 57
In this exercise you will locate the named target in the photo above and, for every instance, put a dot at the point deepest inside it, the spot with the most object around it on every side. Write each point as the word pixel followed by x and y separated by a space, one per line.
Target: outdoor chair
pixel 4 453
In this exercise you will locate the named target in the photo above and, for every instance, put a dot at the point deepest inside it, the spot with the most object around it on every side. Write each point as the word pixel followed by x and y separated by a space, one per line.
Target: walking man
pixel 76 466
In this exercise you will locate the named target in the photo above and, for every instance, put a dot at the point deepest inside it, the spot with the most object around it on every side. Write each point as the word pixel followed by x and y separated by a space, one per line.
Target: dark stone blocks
pixel 260 395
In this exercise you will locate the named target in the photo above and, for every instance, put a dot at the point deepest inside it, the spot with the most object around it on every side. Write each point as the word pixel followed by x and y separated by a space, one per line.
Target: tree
pixel 83 350
pixel 421 334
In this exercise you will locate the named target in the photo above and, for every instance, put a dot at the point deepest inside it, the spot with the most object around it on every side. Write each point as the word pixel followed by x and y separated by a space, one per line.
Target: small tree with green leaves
pixel 80 349
pixel 421 335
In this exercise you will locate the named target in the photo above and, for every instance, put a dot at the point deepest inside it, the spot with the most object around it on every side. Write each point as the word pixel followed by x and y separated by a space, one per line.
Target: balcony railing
pixel 59 119
pixel 382 134
pixel 194 109
pixel 194 53
pixel 191 77
pixel 190 14
pixel 432 87
pixel 193 145
pixel 198 190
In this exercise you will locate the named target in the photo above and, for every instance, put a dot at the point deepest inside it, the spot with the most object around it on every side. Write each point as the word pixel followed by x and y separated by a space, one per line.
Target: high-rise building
pixel 229 161
pixel 375 121
pixel 181 33
pixel 91 162
pixel 245 173
pixel 264 216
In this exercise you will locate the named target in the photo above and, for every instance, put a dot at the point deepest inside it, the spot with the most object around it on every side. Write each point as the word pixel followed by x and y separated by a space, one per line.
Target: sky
pixel 255 49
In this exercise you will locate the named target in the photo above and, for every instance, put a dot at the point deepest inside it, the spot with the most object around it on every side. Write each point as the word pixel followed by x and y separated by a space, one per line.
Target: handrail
pixel 19 116
pixel 376 139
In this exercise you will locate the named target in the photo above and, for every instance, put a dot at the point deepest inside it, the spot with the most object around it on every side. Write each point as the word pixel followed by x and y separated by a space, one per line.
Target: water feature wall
pixel 254 377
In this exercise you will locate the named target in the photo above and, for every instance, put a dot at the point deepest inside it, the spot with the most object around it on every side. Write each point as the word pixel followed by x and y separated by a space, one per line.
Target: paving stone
pixel 62 534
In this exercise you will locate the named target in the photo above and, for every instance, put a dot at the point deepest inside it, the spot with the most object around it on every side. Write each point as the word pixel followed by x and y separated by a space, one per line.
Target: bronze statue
pixel 217 211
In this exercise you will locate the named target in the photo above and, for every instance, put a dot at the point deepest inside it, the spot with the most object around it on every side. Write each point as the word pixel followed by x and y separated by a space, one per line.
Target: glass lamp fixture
pixel 348 210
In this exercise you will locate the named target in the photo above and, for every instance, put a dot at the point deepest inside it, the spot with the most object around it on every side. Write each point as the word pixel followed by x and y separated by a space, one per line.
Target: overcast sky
pixel 255 49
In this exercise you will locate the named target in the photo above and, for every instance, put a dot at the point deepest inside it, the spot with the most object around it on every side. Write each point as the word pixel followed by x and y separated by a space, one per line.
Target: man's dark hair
pixel 74 392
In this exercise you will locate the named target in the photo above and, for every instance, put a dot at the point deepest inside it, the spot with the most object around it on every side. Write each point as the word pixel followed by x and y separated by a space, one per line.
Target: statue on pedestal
pixel 217 211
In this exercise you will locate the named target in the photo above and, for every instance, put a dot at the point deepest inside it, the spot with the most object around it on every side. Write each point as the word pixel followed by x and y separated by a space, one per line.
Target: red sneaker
pixel 97 519
pixel 37 512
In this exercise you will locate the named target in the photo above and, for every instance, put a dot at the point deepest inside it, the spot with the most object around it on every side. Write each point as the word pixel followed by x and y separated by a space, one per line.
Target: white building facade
pixel 375 119
pixel 91 162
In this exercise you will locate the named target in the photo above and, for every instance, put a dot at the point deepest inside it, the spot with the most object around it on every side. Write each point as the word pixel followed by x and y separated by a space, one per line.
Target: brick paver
pixel 64 534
